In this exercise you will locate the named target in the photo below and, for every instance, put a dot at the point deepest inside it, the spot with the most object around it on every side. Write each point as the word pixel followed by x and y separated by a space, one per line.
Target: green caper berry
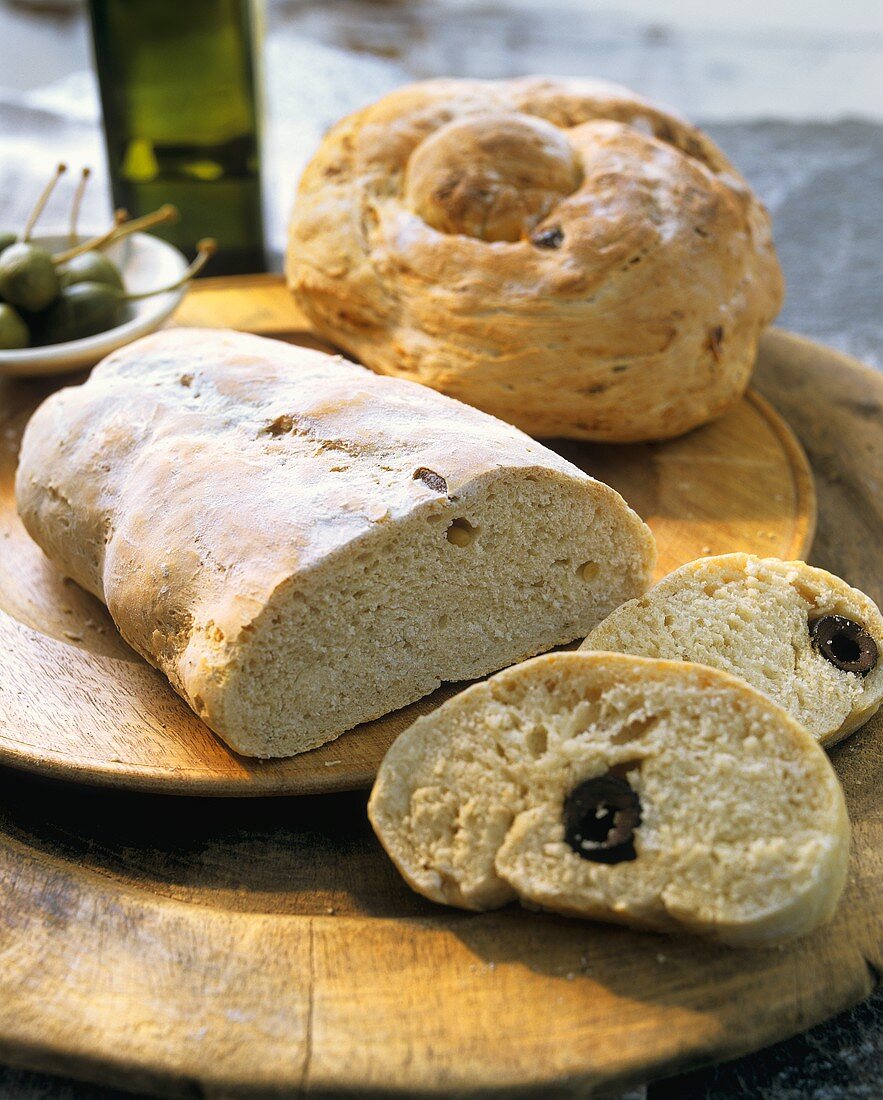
pixel 14 332
pixel 27 276
pixel 81 310
pixel 90 267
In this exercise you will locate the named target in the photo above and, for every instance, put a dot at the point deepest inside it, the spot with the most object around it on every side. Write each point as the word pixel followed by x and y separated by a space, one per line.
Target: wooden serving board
pixel 77 703
pixel 266 947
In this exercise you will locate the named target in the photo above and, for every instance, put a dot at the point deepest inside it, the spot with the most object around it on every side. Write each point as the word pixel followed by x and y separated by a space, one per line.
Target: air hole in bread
pixel 633 731
pixel 805 592
pixel 622 769
pixel 589 570
pixel 461 532
pixel 549 238
pixel 537 741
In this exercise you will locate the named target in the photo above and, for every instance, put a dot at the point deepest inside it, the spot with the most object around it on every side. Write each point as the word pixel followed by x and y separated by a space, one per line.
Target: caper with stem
pixel 87 308
pixel 89 267
pixel 80 310
pixel 84 263
pixel 14 332
pixel 121 228
pixel 27 276
pixel 27 272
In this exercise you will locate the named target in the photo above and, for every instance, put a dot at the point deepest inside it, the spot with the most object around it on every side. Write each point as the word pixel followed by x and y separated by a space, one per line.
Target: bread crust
pixel 232 499
pixel 641 323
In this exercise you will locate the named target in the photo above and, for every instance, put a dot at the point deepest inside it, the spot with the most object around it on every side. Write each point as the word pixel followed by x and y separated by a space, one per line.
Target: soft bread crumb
pixel 743 835
pixel 750 616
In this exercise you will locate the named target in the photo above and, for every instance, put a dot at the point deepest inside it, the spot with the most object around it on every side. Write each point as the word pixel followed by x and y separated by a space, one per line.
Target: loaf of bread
pixel 658 794
pixel 800 635
pixel 302 546
pixel 560 253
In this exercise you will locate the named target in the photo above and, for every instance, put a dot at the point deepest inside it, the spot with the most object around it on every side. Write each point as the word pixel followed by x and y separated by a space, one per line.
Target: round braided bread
pixel 560 253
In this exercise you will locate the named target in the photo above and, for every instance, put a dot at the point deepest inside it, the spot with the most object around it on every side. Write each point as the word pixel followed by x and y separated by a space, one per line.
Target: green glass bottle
pixel 178 90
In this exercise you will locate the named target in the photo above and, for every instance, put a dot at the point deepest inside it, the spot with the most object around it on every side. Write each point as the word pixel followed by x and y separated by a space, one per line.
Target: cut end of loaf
pixel 515 564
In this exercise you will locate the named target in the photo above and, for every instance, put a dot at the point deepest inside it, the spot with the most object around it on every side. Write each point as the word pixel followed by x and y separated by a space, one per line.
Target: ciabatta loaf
pixel 658 794
pixel 800 635
pixel 302 546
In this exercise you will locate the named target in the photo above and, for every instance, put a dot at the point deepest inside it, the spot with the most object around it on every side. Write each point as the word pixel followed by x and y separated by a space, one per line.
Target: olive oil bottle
pixel 181 119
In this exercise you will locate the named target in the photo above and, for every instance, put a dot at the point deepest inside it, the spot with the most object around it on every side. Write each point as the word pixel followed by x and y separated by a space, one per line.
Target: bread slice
pixel 727 818
pixel 302 546
pixel 760 619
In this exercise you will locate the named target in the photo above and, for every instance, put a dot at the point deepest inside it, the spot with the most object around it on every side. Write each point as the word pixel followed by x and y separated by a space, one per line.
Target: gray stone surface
pixel 823 185
pixel 841 1060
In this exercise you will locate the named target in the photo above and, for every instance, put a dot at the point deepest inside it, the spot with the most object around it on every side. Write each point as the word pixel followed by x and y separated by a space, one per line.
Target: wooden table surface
pixel 185 945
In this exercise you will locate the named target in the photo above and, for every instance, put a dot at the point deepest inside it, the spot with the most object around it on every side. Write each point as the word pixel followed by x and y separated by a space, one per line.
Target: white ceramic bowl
pixel 145 262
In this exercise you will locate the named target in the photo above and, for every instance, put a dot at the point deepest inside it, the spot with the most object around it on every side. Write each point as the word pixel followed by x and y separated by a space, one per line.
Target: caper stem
pixel 120 229
pixel 41 202
pixel 205 250
pixel 94 242
pixel 165 214
pixel 76 204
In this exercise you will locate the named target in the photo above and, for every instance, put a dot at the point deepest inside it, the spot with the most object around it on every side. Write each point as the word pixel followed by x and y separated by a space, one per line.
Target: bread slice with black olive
pixel 658 794
pixel 798 634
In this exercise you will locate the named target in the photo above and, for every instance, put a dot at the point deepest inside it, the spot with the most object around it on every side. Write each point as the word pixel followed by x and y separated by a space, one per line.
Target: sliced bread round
pixel 798 634
pixel 658 794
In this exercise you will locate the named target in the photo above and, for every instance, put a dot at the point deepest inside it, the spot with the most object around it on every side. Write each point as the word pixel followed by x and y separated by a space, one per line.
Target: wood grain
pixel 77 703
pixel 266 947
